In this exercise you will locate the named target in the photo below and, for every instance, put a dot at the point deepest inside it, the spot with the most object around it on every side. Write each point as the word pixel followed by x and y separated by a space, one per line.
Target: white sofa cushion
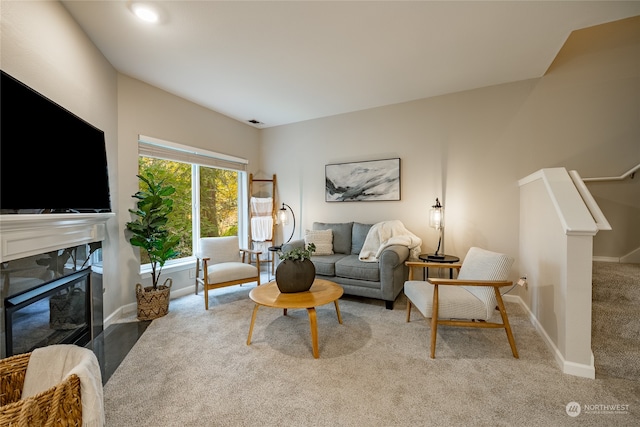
pixel 323 239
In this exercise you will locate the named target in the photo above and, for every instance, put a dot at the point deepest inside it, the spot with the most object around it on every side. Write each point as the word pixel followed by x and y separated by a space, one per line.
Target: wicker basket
pixel 153 303
pixel 58 406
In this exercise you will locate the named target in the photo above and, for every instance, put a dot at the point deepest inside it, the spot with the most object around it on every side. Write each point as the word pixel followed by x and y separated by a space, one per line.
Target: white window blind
pixel 160 149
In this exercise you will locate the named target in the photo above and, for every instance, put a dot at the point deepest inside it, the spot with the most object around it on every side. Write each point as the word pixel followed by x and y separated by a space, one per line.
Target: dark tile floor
pixel 112 345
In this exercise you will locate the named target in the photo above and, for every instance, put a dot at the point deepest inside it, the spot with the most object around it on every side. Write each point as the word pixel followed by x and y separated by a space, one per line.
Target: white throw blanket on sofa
pixel 387 233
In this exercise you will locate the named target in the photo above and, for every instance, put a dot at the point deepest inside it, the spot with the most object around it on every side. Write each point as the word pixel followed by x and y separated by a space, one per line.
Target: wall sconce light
pixel 436 220
pixel 284 219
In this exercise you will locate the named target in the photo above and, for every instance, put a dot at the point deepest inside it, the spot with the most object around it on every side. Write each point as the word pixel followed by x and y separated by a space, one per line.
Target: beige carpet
pixel 616 319
pixel 193 368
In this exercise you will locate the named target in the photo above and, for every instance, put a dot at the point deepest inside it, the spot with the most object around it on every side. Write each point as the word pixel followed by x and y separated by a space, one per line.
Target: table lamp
pixel 436 220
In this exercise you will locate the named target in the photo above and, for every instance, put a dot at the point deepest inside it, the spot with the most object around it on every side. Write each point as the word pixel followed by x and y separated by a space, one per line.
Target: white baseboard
pixel 513 298
pixel 112 318
pixel 567 367
pixel 121 312
pixel 606 259
pixel 127 309
pixel 580 369
pixel 631 257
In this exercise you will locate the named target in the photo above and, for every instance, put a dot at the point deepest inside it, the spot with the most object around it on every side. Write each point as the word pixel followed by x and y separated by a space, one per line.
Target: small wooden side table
pixel 431 262
pixel 321 292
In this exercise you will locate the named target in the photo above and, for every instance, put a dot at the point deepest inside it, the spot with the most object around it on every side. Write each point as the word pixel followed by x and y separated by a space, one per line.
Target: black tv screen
pixel 51 161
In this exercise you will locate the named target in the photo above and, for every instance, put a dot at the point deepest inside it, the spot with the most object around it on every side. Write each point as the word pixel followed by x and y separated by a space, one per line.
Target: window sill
pixel 182 264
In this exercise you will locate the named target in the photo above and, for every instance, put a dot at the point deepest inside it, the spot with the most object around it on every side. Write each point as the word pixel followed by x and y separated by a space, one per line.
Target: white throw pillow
pixel 323 239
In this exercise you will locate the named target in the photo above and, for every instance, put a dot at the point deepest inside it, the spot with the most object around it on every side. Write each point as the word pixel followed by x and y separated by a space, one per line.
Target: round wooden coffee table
pixel 322 292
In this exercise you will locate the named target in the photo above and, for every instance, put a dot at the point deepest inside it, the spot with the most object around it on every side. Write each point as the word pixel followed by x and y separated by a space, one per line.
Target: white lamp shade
pixel 284 218
pixel 436 218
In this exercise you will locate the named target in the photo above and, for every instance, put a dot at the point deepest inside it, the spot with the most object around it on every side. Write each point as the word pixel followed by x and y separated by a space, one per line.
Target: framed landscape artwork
pixel 374 180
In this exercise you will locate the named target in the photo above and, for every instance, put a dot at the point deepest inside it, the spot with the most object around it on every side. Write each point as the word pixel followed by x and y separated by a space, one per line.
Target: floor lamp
pixel 284 219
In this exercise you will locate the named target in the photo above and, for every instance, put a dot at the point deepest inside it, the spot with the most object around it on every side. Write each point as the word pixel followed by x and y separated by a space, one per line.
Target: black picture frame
pixel 371 180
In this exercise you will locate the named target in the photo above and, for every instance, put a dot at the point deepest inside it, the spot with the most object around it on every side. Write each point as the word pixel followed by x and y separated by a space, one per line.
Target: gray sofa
pixel 382 280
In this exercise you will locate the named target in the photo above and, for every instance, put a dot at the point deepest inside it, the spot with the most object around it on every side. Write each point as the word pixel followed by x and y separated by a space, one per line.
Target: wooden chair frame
pixel 464 323
pixel 204 280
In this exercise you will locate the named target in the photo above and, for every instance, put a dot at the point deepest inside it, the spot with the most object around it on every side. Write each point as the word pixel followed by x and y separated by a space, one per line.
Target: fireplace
pixel 38 312
pixel 50 280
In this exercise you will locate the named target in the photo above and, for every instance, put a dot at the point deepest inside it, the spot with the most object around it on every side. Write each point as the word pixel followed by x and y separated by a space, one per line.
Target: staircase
pixel 619 199
pixel 615 333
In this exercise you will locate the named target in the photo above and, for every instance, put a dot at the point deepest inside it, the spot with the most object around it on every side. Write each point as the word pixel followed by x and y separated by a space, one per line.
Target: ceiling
pixel 289 61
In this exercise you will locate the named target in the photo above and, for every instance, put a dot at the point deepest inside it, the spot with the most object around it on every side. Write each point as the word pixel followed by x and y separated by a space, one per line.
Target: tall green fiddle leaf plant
pixel 149 229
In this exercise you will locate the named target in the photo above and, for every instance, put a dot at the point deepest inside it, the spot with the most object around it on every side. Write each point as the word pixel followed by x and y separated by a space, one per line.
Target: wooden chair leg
pixel 505 321
pixel 434 321
pixel 197 274
pixel 206 297
pixel 408 309
pixel 258 267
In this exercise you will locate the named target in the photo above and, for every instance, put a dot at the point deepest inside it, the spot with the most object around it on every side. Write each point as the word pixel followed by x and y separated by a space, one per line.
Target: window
pixel 209 191
pixel 178 175
pixel 218 202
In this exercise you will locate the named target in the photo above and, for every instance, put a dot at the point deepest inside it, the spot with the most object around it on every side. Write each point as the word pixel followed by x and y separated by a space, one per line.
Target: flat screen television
pixel 51 161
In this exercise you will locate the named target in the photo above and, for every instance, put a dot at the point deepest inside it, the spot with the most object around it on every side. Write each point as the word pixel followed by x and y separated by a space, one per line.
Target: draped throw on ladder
pixel 261 218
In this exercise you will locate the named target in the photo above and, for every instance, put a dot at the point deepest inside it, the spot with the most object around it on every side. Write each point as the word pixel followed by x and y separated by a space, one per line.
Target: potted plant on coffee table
pixel 149 231
pixel 296 272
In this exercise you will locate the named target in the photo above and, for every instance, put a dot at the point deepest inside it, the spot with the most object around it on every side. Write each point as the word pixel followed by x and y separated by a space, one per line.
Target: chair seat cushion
pixel 225 272
pixel 454 302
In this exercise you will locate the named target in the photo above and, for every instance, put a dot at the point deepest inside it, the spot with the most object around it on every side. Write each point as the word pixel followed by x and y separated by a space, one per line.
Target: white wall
pixel 620 201
pixel 451 147
pixel 43 47
pixel 470 148
pixel 556 247
pixel 599 68
pixel 147 110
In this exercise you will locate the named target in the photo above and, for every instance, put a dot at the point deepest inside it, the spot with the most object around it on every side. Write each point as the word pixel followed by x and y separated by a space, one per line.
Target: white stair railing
pixel 594 209
pixel 630 172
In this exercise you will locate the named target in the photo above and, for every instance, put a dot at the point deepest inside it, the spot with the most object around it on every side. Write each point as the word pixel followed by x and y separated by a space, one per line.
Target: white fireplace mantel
pixel 32 234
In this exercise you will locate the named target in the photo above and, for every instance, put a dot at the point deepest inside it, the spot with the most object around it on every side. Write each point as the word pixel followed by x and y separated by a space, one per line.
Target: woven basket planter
pixel 58 406
pixel 153 303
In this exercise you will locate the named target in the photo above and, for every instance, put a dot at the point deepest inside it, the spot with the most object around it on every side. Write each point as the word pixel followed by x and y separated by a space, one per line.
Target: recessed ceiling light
pixel 145 12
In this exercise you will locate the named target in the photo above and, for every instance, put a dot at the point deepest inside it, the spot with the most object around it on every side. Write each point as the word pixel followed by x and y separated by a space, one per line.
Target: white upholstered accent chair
pixel 470 300
pixel 221 263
